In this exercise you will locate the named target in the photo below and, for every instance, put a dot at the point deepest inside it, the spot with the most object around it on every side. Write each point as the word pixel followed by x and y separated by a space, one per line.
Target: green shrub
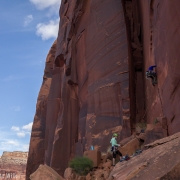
pixel 81 165
pixel 140 126
pixel 155 121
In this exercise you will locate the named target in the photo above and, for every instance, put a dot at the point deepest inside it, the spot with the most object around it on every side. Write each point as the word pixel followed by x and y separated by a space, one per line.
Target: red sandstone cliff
pixel 13 165
pixel 37 143
pixel 94 82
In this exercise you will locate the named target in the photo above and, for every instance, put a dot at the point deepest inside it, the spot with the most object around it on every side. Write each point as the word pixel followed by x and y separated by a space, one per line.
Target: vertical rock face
pixel 92 54
pixel 165 37
pixel 91 62
pixel 153 32
pixel 94 82
pixel 37 143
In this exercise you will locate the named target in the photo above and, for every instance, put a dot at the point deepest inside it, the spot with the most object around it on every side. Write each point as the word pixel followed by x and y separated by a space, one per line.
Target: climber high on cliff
pixel 114 148
pixel 150 73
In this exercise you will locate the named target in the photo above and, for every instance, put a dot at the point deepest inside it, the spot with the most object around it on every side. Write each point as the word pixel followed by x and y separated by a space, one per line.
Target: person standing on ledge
pixel 114 148
pixel 150 73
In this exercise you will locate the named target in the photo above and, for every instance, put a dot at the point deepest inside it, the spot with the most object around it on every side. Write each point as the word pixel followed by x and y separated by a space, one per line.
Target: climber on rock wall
pixel 150 73
pixel 114 148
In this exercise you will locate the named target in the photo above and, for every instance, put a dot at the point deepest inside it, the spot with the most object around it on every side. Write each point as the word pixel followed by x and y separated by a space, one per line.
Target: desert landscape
pixel 113 69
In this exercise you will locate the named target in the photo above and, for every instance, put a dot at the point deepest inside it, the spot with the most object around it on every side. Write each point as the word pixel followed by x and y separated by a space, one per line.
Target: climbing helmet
pixel 115 135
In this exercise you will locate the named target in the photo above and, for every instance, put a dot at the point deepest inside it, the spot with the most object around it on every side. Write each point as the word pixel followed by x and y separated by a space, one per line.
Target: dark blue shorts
pixel 115 151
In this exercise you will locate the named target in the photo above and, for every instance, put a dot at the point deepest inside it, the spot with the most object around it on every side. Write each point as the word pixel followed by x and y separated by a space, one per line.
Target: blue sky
pixel 28 29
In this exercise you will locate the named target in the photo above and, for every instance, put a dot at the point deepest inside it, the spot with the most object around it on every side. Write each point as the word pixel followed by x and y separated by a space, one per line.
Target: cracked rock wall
pixel 94 82
pixel 161 38
pixel 91 62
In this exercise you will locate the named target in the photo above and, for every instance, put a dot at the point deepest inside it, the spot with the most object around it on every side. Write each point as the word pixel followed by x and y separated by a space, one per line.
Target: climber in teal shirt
pixel 114 148
pixel 114 141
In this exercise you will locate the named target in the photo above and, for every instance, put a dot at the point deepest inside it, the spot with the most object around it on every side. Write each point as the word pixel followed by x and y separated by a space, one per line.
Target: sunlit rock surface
pixel 13 165
pixel 94 82
pixel 161 162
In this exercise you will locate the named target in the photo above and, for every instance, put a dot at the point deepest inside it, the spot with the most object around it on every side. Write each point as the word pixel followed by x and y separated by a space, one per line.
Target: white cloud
pixel 27 20
pixel 8 145
pixel 27 127
pixel 25 147
pixel 11 78
pixel 10 142
pixel 13 145
pixel 43 4
pixel 16 108
pixel 21 134
pixel 48 30
pixel 15 128
pixel 15 78
pixel 23 131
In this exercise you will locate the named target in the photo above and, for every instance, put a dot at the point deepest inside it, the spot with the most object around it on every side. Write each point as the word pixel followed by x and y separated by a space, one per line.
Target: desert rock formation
pixel 160 161
pixel 94 82
pixel 45 173
pixel 37 143
pixel 13 165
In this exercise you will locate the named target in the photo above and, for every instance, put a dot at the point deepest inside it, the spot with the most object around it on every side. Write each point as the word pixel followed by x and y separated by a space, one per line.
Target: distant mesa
pixel 13 164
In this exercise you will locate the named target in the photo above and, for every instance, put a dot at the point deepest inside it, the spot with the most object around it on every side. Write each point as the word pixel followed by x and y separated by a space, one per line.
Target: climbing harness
pixel 114 149
pixel 153 76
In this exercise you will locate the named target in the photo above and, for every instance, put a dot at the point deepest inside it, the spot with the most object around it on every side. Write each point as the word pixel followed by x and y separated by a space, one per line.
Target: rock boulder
pixel 95 156
pixel 45 173
pixel 160 161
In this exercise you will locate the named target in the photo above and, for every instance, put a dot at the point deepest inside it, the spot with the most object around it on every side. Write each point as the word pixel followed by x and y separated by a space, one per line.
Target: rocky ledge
pixel 159 160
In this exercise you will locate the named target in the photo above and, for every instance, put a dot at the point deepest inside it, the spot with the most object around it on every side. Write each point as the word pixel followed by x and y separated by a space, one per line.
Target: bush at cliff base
pixel 81 165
